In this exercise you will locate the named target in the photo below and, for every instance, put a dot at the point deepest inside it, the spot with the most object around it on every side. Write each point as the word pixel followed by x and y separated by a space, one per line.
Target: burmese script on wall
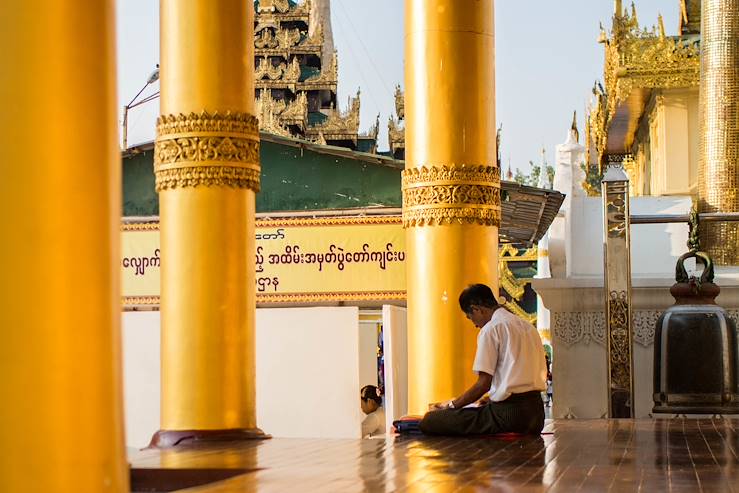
pixel 296 260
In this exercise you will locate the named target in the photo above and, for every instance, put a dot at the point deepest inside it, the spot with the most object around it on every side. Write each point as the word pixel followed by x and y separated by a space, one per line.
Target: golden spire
pixel 399 103
pixel 661 26
pixel 618 8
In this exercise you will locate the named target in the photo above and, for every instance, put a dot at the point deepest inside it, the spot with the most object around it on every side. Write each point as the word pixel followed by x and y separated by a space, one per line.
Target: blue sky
pixel 547 59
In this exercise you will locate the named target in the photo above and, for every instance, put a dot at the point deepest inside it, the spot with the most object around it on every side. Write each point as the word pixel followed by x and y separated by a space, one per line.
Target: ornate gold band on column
pixel 207 149
pixel 460 194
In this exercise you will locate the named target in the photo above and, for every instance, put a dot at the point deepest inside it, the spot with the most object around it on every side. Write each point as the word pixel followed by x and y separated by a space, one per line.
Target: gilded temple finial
pixel 618 8
pixel 573 129
pixel 661 26
pixel 399 103
pixel 603 36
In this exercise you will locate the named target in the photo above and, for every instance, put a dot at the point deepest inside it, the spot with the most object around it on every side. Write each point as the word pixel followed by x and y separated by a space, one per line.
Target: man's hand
pixel 437 406
pixel 477 390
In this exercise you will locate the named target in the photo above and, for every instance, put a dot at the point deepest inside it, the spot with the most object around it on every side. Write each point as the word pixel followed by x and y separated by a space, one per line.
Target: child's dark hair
pixel 477 294
pixel 371 392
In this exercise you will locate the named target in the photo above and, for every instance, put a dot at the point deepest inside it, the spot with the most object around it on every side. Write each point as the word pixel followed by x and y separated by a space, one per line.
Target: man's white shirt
pixel 510 349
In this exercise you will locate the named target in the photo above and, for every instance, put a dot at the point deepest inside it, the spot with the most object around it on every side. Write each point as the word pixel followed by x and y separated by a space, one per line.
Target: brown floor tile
pixel 677 455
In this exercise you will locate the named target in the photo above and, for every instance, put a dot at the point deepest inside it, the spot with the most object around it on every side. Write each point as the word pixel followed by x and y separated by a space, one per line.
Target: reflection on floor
pixel 589 455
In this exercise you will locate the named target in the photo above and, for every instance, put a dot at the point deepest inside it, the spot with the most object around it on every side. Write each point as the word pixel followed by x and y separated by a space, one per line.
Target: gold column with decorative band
pixel 61 417
pixel 204 149
pixel 207 172
pixel 719 106
pixel 451 195
pixel 451 188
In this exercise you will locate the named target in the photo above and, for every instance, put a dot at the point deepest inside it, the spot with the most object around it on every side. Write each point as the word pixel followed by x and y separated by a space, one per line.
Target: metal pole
pixel 125 127
pixel 617 269
pixel 710 217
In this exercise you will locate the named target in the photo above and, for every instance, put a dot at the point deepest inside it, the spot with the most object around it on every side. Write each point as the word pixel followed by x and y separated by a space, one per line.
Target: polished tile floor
pixel 677 455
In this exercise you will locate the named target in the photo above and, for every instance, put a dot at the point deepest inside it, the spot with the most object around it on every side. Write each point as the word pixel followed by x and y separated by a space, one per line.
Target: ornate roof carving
pixel 268 111
pixel 396 135
pixel 647 58
pixel 395 127
pixel 265 39
pixel 272 13
pixel 282 39
pixel 638 59
pixel 328 78
pixel 596 133
pixel 340 125
pixel 273 6
pixel 297 110
pixel 315 41
pixel 286 79
pixel 374 130
pixel 288 74
pixel 399 103
pixel 277 114
pixel 329 73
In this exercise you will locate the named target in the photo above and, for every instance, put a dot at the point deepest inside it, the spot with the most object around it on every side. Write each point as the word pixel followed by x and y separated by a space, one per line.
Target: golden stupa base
pixel 164 439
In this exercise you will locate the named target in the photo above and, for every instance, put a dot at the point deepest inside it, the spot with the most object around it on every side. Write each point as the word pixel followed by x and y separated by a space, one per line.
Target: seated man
pixel 510 364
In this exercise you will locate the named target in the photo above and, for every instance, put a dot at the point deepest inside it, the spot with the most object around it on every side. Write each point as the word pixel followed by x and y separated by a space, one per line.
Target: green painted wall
pixel 139 196
pixel 292 179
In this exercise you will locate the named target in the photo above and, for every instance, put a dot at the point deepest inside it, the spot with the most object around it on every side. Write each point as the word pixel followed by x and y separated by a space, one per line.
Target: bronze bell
pixel 696 352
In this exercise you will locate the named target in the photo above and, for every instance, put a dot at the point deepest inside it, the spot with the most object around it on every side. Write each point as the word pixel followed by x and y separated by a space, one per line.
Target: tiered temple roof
pixel 637 62
pixel 297 76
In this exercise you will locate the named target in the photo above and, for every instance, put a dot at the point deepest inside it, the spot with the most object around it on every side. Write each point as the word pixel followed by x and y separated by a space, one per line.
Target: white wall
pixel 308 372
pixel 655 248
pixel 395 343
pixel 141 376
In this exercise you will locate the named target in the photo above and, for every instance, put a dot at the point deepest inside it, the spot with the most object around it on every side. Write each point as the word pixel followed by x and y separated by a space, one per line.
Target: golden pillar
pixel 207 172
pixel 451 187
pixel 62 413
pixel 719 103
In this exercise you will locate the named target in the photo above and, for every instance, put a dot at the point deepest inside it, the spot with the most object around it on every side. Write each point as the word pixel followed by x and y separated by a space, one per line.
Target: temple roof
pixel 301 177
pixel 527 212
pixel 297 75
pixel 637 62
